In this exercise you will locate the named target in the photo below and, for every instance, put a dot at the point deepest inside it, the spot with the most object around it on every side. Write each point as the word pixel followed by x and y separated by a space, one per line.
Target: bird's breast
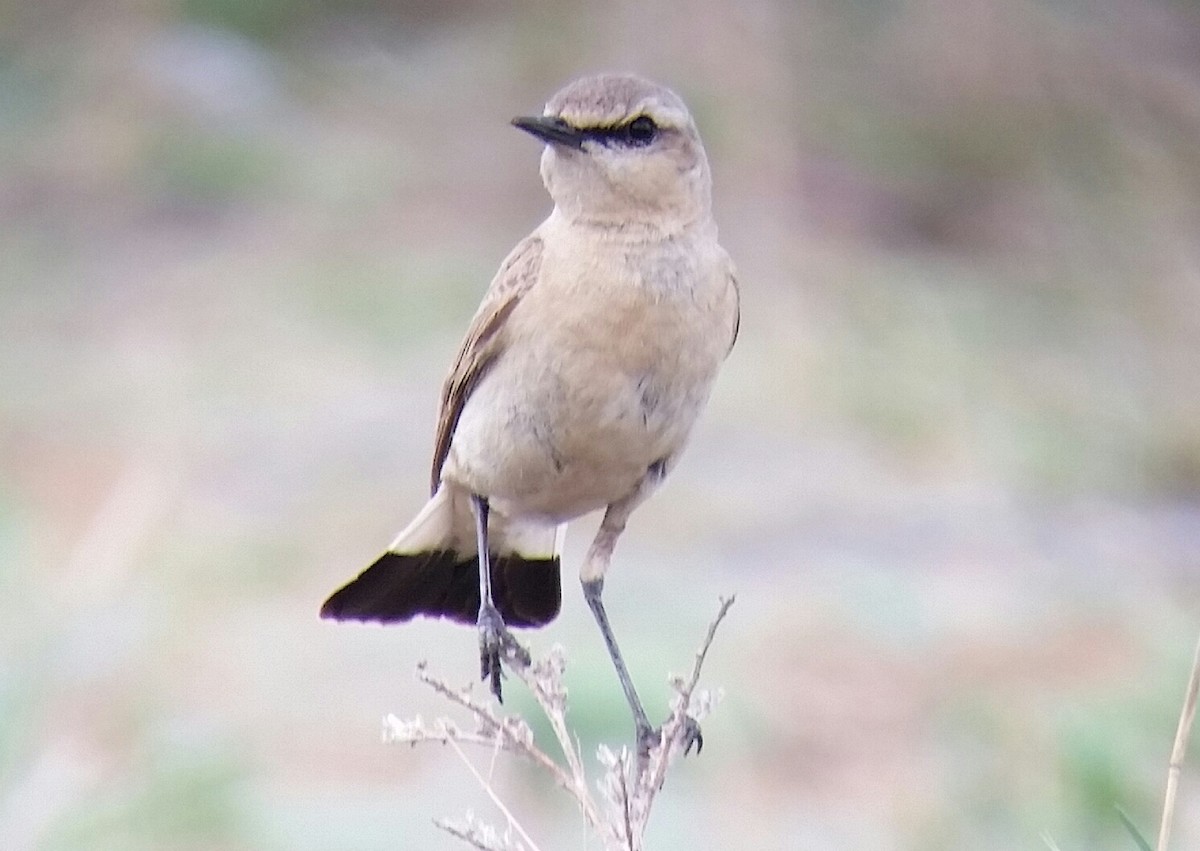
pixel 602 374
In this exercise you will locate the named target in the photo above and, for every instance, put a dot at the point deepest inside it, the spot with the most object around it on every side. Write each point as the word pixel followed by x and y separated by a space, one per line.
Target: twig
pixel 702 653
pixel 510 733
pixel 513 732
pixel 491 793
pixel 629 791
pixel 477 834
pixel 630 787
pixel 544 681
pixel 460 833
pixel 625 811
pixel 1178 752
pixel 679 717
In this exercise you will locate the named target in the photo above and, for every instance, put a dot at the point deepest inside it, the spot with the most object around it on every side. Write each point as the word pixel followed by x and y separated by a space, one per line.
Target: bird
pixel 578 381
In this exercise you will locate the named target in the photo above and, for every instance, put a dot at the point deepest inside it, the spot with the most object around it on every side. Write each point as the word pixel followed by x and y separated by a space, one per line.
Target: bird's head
pixel 622 150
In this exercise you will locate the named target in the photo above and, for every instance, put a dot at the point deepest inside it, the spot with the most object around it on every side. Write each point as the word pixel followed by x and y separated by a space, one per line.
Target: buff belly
pixel 545 445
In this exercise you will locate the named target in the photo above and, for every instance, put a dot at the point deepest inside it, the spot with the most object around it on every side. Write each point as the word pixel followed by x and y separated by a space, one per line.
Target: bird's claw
pixel 495 643
pixel 648 738
pixel 689 736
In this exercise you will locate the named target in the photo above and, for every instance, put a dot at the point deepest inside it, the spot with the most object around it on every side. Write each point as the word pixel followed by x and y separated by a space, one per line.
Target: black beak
pixel 552 130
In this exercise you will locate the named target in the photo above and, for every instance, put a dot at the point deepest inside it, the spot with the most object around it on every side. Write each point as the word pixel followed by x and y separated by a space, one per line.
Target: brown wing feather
pixel 483 342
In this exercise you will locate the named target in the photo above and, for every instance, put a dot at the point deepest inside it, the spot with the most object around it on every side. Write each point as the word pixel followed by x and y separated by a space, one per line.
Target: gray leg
pixel 494 637
pixel 592 573
pixel 645 732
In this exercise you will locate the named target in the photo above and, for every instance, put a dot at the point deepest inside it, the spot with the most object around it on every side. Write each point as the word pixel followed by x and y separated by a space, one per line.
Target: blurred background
pixel 952 469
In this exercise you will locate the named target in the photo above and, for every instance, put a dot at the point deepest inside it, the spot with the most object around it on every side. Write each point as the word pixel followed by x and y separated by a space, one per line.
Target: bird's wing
pixel 483 342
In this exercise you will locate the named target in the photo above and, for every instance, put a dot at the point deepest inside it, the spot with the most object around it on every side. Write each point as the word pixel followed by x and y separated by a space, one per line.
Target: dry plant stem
pixel 476 835
pixel 442 824
pixel 558 723
pixel 625 812
pixel 553 706
pixel 1178 752
pixel 494 730
pixel 629 787
pixel 650 774
pixel 491 793
pixel 679 717
pixel 459 833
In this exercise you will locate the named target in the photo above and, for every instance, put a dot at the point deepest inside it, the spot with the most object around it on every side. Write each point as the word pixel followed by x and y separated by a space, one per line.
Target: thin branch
pixel 478 834
pixel 632 802
pixel 625 812
pixel 702 653
pixel 512 731
pixel 461 696
pixel 679 717
pixel 1178 752
pixel 466 835
pixel 628 788
pixel 544 681
pixel 491 793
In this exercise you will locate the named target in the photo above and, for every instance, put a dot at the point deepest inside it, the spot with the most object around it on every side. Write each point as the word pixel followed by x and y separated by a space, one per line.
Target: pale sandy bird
pixel 579 379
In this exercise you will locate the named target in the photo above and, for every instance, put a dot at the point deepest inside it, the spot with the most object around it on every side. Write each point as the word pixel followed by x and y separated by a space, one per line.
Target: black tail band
pixel 398 587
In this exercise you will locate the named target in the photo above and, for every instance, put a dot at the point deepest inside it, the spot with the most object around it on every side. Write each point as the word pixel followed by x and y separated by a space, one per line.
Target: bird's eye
pixel 641 130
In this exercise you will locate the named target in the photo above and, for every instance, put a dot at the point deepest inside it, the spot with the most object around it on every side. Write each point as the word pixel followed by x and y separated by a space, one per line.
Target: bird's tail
pixel 432 569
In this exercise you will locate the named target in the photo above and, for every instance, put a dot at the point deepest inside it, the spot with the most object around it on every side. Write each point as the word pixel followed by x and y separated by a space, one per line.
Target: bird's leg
pixel 494 637
pixel 646 735
pixel 595 565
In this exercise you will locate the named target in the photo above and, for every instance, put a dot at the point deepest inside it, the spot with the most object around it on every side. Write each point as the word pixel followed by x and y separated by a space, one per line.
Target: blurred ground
pixel 952 469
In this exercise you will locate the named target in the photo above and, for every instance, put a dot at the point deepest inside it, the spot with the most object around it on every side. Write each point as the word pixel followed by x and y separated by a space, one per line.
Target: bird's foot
pixel 689 736
pixel 647 738
pixel 495 643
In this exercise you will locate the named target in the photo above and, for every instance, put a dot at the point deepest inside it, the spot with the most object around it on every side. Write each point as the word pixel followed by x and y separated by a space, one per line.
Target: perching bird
pixel 579 379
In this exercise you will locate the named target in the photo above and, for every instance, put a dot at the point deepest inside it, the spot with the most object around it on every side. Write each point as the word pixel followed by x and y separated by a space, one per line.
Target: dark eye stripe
pixel 634 134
